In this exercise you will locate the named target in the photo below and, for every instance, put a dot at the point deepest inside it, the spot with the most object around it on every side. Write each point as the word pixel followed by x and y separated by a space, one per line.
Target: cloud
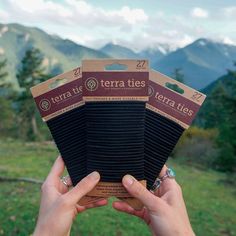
pixel 198 12
pixel 94 26
pixel 3 15
pixel 73 12
pixel 228 40
pixel 230 11
pixel 78 20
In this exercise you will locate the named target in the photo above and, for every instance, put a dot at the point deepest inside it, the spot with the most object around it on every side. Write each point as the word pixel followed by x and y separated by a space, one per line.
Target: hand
pixel 164 211
pixel 59 205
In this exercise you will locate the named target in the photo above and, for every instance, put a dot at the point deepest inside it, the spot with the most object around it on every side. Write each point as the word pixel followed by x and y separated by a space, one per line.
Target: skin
pixel 59 206
pixel 164 212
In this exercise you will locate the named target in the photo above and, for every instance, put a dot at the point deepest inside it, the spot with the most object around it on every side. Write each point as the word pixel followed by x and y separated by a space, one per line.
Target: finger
pixel 159 192
pixel 126 208
pixel 57 168
pixel 83 187
pixel 99 203
pixel 138 191
pixel 64 188
pixel 169 184
pixel 123 207
pixel 68 180
pixel 79 208
pixel 163 170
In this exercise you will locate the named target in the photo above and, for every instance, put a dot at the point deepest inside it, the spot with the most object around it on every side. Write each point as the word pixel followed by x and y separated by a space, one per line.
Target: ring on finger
pixel 64 180
pixel 157 183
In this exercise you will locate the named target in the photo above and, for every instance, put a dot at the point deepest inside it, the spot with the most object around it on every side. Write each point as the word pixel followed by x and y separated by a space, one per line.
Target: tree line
pixel 19 117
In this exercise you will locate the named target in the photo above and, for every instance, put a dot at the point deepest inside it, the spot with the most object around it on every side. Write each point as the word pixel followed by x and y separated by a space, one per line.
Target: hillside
pixel 219 105
pixel 60 54
pixel 152 54
pixel 118 51
pixel 202 62
pixel 225 81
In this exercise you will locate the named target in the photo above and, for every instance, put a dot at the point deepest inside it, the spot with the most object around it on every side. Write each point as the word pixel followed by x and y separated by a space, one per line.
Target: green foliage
pixel 197 147
pixel 178 75
pixel 216 112
pixel 31 71
pixel 56 50
pixel 226 161
pixel 7 118
pixel 7 115
pixel 4 84
pixel 219 111
pixel 30 74
pixel 210 202
pixel 3 73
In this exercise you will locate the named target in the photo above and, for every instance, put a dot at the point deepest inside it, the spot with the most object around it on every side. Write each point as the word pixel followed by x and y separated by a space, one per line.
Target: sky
pixel 136 24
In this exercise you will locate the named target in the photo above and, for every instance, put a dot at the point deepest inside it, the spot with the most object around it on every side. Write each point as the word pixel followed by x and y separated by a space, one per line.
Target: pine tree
pixel 178 75
pixel 3 73
pixel 6 114
pixel 30 74
pixel 226 140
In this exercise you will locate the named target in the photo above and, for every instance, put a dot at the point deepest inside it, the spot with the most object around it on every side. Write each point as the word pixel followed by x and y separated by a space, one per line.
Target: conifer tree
pixel 30 73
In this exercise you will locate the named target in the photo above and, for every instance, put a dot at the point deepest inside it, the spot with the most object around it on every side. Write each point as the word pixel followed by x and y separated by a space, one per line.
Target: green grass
pixel 211 203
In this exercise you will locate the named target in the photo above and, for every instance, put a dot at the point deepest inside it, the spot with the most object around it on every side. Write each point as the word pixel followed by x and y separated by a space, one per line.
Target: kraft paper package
pixel 60 103
pixel 115 114
pixel 170 110
pixel 116 117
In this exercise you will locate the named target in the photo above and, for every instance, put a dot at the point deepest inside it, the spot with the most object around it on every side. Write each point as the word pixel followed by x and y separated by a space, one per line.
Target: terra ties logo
pixel 44 104
pixel 150 90
pixel 91 84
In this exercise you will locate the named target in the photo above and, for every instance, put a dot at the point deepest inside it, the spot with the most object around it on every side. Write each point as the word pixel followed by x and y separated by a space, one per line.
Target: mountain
pixel 60 54
pixel 220 102
pixel 202 62
pixel 152 54
pixel 227 82
pixel 117 51
pixel 155 54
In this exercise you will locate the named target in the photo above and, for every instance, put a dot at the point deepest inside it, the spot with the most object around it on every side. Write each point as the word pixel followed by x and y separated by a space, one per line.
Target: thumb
pixel 138 191
pixel 83 187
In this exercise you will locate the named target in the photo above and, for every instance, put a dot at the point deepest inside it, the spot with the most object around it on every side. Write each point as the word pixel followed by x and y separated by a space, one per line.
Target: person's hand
pixel 59 205
pixel 164 211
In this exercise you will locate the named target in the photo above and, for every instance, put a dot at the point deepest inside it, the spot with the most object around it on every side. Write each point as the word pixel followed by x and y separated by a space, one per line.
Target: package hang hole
pixel 57 83
pixel 116 67
pixel 174 87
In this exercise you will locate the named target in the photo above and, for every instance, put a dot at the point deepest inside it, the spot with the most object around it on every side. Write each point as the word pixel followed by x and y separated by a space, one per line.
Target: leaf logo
pixel 150 90
pixel 91 84
pixel 44 104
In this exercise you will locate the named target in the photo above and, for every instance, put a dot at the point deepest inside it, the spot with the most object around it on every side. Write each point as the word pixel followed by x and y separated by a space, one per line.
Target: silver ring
pixel 157 183
pixel 64 181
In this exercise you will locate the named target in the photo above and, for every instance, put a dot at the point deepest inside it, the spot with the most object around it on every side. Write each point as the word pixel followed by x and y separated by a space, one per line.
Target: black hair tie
pixel 115 139
pixel 69 133
pixel 161 136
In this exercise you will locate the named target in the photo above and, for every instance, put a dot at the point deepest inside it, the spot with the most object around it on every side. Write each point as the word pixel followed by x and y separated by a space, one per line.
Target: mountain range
pixel 59 54
pixel 202 61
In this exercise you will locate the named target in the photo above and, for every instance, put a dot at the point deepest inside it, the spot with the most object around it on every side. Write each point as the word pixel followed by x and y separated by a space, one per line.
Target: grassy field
pixel 211 203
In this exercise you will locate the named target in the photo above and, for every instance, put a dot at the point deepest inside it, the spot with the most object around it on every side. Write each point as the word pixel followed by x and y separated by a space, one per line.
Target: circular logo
pixel 150 90
pixel 44 104
pixel 91 84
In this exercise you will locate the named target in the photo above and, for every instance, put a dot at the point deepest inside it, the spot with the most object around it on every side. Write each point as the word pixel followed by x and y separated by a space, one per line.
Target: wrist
pixel 41 230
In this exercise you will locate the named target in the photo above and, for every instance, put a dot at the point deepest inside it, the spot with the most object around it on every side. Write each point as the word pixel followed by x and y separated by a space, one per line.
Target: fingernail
pixel 128 180
pixel 94 175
